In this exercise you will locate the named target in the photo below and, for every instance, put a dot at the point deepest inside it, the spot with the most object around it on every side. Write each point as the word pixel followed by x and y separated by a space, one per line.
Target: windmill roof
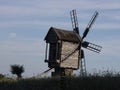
pixel 64 35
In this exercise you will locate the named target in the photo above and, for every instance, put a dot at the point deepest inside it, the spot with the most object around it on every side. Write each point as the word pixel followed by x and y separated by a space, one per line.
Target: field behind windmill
pixel 90 82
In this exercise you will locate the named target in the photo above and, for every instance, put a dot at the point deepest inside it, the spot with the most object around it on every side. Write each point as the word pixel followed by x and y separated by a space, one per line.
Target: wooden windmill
pixel 63 48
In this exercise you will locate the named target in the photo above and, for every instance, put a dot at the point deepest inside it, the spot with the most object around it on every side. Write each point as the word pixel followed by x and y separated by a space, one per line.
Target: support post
pixel 63 85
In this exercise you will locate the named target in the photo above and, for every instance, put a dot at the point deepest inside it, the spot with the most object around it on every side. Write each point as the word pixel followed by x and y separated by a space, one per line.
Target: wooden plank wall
pixel 69 55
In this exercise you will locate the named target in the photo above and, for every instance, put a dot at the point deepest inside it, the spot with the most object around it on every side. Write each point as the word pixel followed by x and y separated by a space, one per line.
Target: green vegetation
pixel 108 81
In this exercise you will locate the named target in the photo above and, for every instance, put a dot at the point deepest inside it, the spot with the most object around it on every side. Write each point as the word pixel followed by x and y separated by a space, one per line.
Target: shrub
pixel 17 69
pixel 1 76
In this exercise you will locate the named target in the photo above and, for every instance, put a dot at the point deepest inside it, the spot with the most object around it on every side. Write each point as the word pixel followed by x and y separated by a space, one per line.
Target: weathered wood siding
pixel 69 55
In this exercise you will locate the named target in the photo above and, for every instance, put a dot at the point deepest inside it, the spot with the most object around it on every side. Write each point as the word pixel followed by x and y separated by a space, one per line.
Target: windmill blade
pixel 74 21
pixel 90 24
pixel 91 46
pixel 92 20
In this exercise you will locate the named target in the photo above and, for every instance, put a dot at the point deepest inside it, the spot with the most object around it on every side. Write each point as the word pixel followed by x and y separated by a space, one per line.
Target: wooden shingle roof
pixel 64 35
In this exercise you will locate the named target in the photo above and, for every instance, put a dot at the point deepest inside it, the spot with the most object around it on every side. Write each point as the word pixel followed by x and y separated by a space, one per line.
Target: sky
pixel 25 23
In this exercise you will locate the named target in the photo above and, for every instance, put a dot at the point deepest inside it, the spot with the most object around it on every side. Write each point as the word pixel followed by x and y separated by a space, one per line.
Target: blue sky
pixel 24 24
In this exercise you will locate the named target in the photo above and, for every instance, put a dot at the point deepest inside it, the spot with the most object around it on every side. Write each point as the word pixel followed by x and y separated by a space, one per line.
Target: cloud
pixel 111 47
pixel 24 51
pixel 48 8
pixel 50 12
pixel 23 46
pixel 12 35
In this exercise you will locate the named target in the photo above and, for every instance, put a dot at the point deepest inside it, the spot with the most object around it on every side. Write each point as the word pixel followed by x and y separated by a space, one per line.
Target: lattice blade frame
pixel 91 46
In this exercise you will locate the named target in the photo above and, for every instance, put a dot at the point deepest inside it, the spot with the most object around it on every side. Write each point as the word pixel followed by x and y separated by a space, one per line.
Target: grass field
pixel 107 82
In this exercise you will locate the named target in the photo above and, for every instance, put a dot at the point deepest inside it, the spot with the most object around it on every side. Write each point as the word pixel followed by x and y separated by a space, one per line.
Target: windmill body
pixel 64 48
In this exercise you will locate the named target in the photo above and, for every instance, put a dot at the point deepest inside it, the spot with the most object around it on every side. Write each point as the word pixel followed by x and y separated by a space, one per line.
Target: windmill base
pixel 62 71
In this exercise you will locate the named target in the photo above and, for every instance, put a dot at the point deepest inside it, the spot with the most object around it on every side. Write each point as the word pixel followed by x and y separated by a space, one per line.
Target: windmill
pixel 85 44
pixel 64 51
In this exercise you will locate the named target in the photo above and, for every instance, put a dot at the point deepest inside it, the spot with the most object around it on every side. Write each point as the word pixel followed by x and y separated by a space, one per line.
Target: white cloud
pixel 111 47
pixel 23 51
pixel 23 46
pixel 12 35
pixel 107 26
pixel 48 8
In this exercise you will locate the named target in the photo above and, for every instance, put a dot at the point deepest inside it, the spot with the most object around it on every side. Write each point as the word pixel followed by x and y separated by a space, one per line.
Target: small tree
pixel 17 69
pixel 2 76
